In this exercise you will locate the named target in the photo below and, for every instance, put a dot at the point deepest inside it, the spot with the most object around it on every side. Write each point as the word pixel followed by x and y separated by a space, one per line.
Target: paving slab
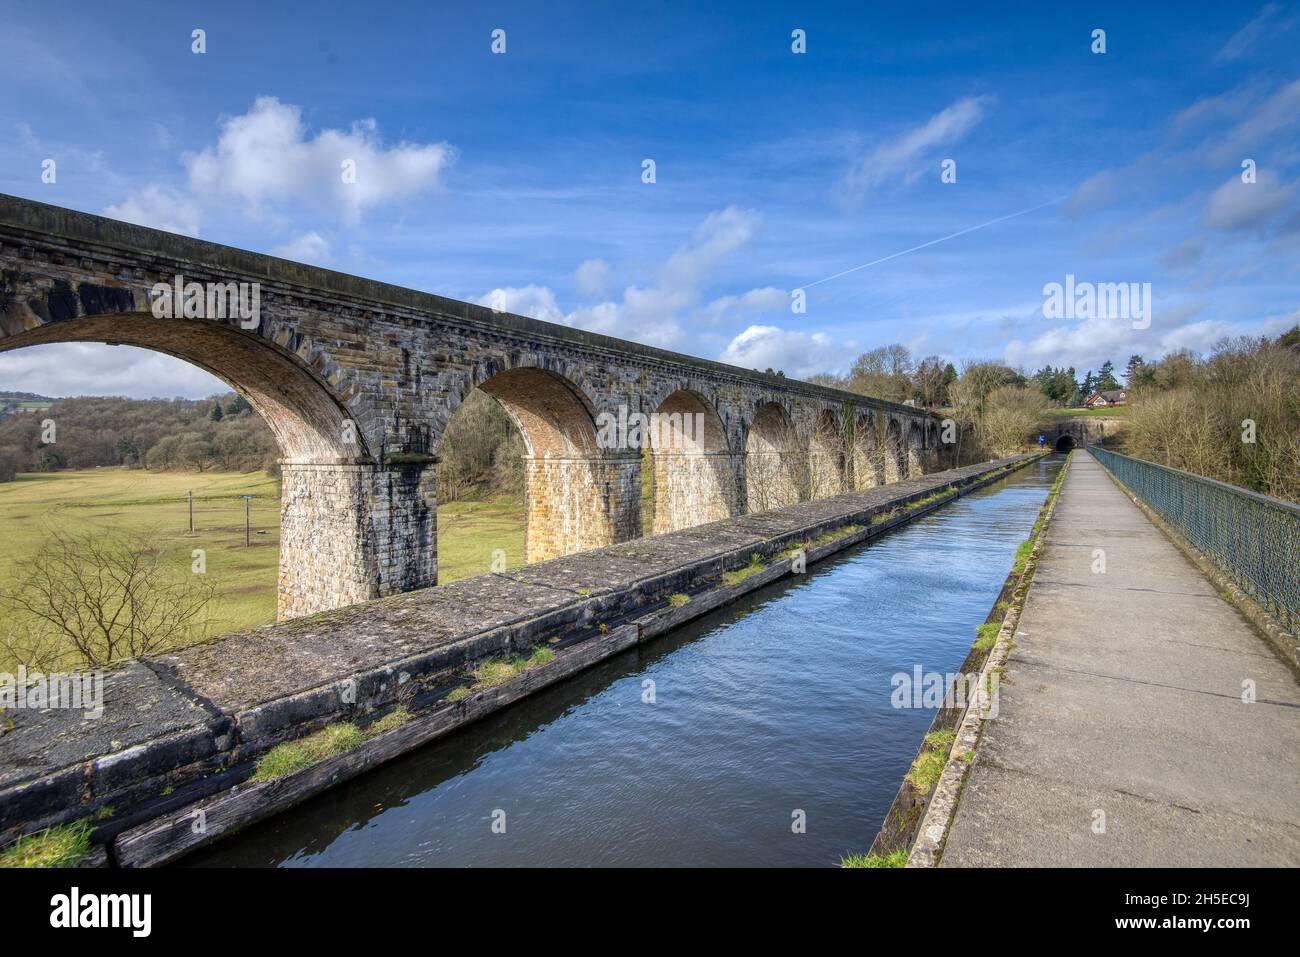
pixel 1124 698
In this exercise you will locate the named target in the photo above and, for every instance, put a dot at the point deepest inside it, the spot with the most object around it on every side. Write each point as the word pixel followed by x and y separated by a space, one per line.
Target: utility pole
pixel 248 500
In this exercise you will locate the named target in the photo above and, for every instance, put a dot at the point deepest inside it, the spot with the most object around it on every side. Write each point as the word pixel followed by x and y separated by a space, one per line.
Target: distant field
pixel 1112 412
pixel 152 504
pixel 469 533
pixel 113 500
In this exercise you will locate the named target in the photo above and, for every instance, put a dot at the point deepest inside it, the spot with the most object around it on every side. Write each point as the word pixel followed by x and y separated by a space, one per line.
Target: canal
pixel 705 746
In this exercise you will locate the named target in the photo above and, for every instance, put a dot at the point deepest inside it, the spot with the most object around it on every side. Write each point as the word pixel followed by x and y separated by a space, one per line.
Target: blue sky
pixel 515 179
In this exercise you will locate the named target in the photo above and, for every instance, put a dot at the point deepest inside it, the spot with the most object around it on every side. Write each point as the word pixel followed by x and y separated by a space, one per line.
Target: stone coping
pixel 171 720
pixel 44 220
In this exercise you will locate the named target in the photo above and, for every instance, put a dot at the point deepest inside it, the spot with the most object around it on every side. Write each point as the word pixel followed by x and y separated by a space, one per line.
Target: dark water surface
pixel 778 703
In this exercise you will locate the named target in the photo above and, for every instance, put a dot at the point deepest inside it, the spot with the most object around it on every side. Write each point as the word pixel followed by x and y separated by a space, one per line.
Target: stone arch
pixel 337 501
pixel 551 412
pixel 826 456
pixel 868 463
pixel 892 464
pixel 579 492
pixel 915 449
pixel 933 446
pixel 694 474
pixel 774 470
pixel 309 419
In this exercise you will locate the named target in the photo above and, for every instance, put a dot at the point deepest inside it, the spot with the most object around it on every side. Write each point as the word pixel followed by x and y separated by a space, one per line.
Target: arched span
pixel 582 487
pixel 775 474
pixel 694 475
pixel 310 422
pixel 892 463
pixel 826 456
pixel 553 419
pixel 334 535
pixel 868 462
pixel 1065 442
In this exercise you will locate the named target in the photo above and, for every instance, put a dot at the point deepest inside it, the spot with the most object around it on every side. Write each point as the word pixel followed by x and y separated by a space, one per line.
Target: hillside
pixel 219 433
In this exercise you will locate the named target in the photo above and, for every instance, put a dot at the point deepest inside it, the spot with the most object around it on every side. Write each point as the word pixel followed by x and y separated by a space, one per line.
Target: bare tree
pixel 776 467
pixel 93 601
pixel 1011 413
pixel 827 451
pixel 481 451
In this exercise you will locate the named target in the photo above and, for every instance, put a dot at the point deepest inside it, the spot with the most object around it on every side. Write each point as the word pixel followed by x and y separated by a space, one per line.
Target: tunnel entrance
pixel 1064 443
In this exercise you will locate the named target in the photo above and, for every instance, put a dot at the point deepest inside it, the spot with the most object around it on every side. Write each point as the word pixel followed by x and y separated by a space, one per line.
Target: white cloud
pixel 266 155
pixel 1264 24
pixel 592 278
pixel 1238 205
pixel 718 235
pixel 535 301
pixel 311 248
pixel 903 158
pixel 91 368
pixel 1093 341
pixel 754 303
pixel 160 208
pixel 649 314
pixel 797 354
pixel 1277 113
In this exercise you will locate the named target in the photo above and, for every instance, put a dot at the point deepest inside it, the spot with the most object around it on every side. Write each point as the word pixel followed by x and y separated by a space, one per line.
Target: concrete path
pixel 1123 705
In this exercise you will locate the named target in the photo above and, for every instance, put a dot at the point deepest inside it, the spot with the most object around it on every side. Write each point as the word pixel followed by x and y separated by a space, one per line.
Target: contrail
pixel 933 242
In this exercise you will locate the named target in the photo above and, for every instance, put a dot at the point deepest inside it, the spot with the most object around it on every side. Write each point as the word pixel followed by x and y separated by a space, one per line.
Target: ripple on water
pixel 777 703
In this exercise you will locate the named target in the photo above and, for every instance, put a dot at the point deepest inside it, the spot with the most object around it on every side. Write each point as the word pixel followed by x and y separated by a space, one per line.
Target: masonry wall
pixel 693 488
pixel 350 533
pixel 358 380
pixel 576 504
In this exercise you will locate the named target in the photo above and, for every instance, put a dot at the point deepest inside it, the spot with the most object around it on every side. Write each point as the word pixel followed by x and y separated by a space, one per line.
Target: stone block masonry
pixel 357 380
pixel 181 727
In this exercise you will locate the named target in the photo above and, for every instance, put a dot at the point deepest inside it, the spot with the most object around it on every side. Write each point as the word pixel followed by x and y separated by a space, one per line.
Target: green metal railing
pixel 1253 539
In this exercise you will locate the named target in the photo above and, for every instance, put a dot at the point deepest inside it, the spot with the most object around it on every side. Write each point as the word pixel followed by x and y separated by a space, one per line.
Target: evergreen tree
pixel 216 415
pixel 1106 380
pixel 1086 388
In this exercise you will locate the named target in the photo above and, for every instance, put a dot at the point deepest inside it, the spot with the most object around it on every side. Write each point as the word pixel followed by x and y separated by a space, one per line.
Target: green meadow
pixel 116 501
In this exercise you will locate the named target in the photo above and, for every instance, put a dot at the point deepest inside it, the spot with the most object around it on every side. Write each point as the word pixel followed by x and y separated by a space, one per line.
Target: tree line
pixel 1233 415
pixel 220 433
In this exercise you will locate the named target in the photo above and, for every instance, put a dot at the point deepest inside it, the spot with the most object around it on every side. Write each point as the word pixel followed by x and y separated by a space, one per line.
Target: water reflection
pixel 774 705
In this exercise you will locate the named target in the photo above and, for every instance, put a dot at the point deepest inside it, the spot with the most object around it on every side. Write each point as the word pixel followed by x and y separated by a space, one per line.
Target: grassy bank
pixel 116 501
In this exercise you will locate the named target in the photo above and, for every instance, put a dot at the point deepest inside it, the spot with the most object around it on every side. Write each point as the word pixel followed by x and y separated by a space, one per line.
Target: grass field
pixel 153 504
pixel 470 532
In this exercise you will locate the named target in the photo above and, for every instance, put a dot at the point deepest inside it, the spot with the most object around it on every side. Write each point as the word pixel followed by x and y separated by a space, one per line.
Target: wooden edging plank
pixel 167 838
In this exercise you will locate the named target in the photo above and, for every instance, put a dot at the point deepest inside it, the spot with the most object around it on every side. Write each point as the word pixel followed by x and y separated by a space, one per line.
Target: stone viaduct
pixel 358 379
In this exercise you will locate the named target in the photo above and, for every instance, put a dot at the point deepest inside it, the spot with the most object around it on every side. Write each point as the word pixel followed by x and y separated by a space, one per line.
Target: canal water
pixel 703 747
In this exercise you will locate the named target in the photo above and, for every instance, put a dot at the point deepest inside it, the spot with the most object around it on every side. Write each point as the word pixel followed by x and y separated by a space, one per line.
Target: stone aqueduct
pixel 357 380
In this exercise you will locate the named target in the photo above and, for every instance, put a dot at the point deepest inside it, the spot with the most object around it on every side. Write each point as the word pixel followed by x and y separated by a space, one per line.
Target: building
pixel 1099 400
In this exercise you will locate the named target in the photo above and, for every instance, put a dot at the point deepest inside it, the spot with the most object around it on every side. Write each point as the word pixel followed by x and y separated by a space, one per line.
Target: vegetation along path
pixel 1125 733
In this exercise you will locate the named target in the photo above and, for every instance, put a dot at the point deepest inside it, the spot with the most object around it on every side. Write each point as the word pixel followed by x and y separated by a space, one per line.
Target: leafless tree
pixel 1011 413
pixel 91 601
pixel 776 467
